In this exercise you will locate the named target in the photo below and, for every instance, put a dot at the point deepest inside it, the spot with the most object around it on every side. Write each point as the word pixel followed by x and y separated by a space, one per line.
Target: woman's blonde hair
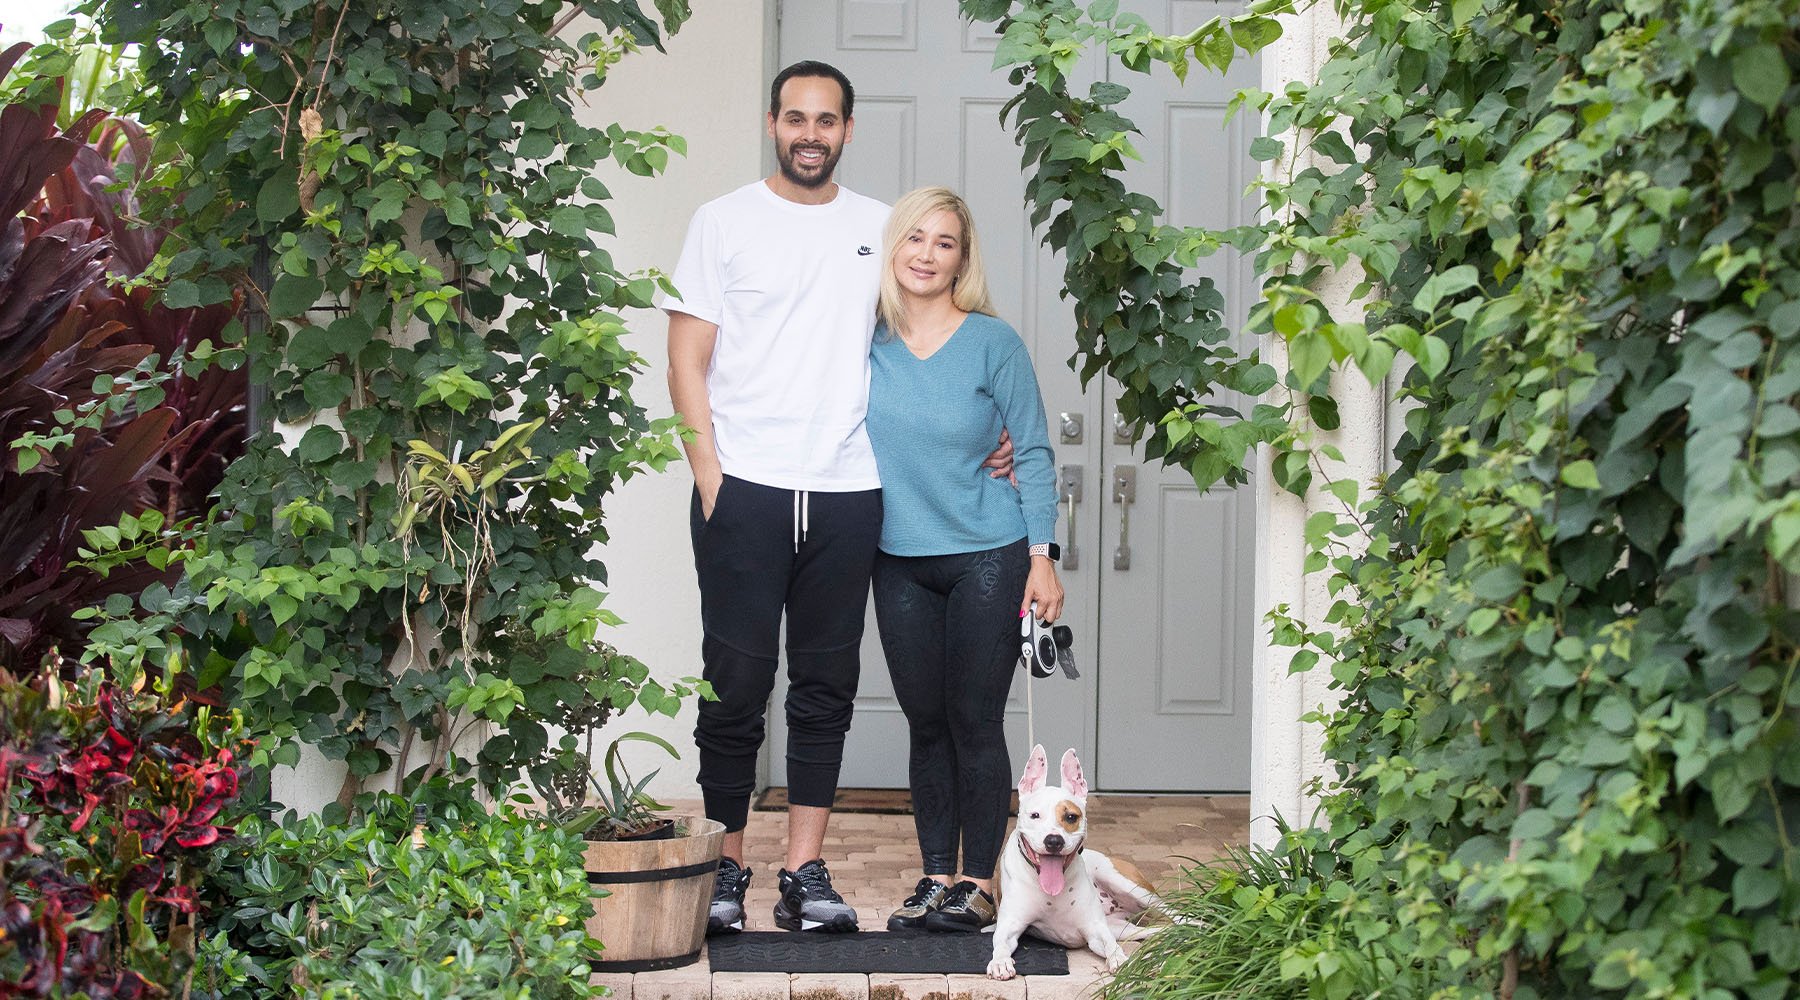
pixel 969 292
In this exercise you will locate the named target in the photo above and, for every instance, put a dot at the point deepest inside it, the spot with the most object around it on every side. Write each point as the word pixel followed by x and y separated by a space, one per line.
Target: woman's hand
pixel 1043 587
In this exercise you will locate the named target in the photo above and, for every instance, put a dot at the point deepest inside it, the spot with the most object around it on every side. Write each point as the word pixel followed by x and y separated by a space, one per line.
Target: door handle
pixel 1069 481
pixel 1071 427
pixel 1124 491
pixel 1123 432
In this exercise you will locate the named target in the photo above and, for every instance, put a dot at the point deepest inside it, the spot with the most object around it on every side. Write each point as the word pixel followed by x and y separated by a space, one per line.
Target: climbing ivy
pixel 1567 759
pixel 407 192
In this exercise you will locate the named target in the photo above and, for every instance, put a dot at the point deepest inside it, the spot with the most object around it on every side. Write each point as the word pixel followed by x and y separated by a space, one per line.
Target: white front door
pixel 1163 641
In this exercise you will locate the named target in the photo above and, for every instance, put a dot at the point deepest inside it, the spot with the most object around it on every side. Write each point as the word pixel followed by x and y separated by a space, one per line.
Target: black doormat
pixel 876 951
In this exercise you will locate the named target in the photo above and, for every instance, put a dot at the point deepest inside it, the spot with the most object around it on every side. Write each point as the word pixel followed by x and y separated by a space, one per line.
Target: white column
pixel 1286 754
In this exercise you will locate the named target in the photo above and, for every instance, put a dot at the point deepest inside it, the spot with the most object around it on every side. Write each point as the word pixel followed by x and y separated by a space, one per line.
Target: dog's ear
pixel 1073 781
pixel 1035 768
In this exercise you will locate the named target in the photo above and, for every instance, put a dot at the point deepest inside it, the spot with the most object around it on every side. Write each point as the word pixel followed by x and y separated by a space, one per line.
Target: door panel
pixel 1179 622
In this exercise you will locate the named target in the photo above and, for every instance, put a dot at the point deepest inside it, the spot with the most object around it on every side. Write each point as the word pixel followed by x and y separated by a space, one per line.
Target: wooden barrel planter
pixel 659 891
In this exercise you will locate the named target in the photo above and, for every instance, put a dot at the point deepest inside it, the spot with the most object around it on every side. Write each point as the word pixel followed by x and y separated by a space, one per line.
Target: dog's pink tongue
pixel 1050 875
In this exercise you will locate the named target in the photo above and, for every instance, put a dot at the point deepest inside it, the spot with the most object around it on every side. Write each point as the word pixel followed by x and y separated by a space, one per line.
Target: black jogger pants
pixel 763 551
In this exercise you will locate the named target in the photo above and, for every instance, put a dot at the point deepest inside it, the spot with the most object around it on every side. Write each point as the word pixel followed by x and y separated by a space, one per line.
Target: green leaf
pixel 1309 353
pixel 294 294
pixel 282 607
pixel 1534 824
pixel 1440 286
pixel 1482 620
pixel 319 443
pixel 279 197
pixel 309 348
pixel 221 34
pixel 1581 475
pixel 1265 148
pixel 1754 888
pixel 1761 74
pixel 570 221
pixel 1498 584
pixel 456 212
pixel 1292 472
pixel 1433 355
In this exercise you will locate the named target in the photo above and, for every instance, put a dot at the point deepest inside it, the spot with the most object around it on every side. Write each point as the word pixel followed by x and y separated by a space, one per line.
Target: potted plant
pixel 624 810
pixel 651 875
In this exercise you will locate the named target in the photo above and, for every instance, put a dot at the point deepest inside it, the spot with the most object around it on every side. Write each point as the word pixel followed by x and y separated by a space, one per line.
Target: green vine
pixel 407 190
pixel 1567 752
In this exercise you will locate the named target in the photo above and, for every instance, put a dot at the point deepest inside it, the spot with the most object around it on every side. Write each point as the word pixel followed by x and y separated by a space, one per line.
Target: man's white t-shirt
pixel 792 289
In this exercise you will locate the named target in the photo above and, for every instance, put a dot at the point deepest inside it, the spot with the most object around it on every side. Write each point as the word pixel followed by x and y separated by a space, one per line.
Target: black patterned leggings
pixel 950 630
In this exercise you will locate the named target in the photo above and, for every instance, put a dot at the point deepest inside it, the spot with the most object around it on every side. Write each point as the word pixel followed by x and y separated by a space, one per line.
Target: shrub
pixel 1564 626
pixel 109 407
pixel 427 201
pixel 478 905
pixel 1235 921
pixel 114 800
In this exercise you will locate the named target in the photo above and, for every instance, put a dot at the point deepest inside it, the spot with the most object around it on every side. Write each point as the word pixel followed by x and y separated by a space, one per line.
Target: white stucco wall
pixel 1285 755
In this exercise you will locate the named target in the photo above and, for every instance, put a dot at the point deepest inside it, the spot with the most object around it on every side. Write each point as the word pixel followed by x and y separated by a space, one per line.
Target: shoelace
pixel 959 895
pixel 816 881
pixel 735 879
pixel 926 890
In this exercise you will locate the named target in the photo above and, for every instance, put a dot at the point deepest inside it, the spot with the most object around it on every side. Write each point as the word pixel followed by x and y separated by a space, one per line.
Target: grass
pixel 1237 917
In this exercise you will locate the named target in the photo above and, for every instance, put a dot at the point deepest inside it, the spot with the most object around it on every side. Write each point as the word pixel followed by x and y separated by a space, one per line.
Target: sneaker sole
pixel 906 923
pixel 836 925
pixel 720 927
pixel 952 927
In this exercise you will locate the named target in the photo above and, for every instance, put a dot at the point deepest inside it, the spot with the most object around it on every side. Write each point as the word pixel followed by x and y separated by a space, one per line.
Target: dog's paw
pixel 1001 968
pixel 1115 958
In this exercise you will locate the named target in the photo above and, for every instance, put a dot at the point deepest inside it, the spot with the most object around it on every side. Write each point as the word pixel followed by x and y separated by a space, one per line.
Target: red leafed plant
pixel 113 801
pixel 104 411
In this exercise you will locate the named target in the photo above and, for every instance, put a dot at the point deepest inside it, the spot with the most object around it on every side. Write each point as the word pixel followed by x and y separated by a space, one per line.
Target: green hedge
pixel 1566 755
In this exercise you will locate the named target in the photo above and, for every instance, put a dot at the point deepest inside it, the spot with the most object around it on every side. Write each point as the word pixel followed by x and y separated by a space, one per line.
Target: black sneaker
pixel 966 908
pixel 809 903
pixel 727 913
pixel 927 896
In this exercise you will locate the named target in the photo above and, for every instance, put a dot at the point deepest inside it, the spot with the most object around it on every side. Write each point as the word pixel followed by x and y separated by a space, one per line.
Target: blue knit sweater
pixel 933 420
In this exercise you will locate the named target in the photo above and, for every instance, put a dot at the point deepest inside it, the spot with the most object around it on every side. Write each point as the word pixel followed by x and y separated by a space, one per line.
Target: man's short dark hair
pixel 811 67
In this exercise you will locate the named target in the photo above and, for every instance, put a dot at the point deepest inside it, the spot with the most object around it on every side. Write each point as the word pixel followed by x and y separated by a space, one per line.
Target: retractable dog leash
pixel 1042 649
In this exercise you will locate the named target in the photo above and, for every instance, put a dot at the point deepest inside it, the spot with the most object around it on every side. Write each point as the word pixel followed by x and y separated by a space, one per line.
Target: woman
pixel 963 556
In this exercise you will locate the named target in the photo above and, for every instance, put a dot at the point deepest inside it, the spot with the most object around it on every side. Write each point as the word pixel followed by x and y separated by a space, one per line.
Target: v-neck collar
pixel 939 349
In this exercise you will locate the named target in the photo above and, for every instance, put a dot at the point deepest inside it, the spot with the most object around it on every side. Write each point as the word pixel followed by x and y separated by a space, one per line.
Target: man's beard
pixel 792 171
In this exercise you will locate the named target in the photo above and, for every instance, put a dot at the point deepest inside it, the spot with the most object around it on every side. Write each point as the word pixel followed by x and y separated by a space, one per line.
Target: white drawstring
pixel 802 514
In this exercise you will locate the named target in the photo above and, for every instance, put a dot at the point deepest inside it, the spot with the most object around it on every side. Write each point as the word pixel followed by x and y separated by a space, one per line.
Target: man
pixel 769 365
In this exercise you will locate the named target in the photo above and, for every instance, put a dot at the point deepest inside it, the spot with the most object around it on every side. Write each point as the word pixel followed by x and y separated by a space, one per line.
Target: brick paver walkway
pixel 874 863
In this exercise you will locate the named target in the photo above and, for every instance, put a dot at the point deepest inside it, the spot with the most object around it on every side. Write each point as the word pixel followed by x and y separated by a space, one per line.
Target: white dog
pixel 1053 885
